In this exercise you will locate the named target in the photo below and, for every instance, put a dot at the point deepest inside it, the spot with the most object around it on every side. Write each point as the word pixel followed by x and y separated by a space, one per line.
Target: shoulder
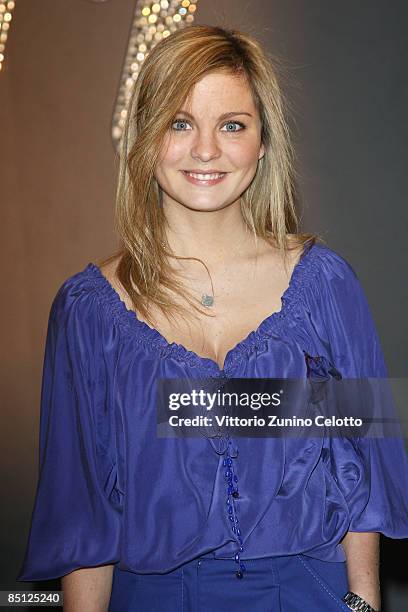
pixel 109 278
pixel 78 335
pixel 77 293
pixel 315 258
pixel 335 287
pixel 92 296
pixel 108 270
pixel 331 266
pixel 341 313
pixel 329 281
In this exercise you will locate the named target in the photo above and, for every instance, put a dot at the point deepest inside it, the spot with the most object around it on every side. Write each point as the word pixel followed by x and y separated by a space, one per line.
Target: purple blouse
pixel 111 492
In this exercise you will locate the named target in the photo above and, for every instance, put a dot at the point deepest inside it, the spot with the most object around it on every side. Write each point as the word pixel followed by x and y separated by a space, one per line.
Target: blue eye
pixel 179 121
pixel 185 122
pixel 241 126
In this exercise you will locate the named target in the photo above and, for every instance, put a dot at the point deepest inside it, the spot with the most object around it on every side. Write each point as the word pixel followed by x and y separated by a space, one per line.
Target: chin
pixel 204 207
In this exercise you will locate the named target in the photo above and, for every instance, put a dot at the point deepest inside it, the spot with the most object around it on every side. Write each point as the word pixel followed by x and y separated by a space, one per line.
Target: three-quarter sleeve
pixel 371 472
pixel 76 519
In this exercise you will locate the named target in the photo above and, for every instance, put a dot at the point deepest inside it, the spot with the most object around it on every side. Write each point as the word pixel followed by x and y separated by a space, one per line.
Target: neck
pixel 217 237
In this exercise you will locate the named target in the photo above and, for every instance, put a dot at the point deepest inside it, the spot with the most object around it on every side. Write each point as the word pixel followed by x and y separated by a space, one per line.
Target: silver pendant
pixel 207 300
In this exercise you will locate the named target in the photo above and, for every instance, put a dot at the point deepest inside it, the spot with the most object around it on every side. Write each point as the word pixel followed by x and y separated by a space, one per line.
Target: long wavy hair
pixel 268 205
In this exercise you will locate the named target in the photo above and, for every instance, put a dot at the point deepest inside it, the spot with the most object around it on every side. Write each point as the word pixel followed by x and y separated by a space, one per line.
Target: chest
pixel 242 302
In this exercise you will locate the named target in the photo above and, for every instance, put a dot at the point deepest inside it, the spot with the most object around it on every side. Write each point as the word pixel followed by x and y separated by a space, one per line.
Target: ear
pixel 261 152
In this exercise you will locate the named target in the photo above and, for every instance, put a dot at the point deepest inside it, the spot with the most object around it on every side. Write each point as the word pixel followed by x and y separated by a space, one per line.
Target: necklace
pixel 207 300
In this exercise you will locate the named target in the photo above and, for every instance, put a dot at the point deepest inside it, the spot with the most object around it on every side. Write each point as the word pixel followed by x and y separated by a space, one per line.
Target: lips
pixel 204 178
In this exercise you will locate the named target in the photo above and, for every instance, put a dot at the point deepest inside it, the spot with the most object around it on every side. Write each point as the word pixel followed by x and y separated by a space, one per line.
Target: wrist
pixel 356 602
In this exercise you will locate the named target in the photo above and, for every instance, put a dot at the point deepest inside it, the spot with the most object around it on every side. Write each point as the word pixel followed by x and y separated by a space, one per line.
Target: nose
pixel 205 146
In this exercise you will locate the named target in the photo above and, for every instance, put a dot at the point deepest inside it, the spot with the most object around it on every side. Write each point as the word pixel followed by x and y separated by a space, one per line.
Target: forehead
pixel 220 90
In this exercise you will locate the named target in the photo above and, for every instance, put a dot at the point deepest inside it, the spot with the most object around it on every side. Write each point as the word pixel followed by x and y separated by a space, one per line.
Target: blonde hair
pixel 268 205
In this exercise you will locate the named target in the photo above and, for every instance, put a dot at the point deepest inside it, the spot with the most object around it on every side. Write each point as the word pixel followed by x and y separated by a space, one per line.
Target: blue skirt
pixel 293 583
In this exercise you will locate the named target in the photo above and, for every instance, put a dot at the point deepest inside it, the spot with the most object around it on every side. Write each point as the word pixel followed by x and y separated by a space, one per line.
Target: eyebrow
pixel 224 116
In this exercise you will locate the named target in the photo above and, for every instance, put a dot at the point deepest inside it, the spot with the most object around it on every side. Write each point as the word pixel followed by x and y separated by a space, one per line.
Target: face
pixel 210 154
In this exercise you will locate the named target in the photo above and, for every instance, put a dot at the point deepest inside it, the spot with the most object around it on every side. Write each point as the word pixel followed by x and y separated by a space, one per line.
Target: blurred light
pixel 152 21
pixel 6 8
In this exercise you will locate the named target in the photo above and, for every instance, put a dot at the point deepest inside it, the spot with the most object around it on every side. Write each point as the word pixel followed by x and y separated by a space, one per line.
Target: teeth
pixel 206 177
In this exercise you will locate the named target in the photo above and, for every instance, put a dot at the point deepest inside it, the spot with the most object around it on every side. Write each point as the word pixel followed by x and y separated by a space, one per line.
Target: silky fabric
pixel 111 492
pixel 273 584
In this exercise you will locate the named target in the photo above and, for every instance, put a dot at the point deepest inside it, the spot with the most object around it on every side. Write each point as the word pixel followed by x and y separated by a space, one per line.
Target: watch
pixel 355 602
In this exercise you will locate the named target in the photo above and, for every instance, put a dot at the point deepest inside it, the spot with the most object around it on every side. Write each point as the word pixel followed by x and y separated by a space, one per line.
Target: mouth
pixel 205 178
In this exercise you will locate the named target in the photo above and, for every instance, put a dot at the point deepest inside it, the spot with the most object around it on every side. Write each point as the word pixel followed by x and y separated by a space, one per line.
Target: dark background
pixel 346 64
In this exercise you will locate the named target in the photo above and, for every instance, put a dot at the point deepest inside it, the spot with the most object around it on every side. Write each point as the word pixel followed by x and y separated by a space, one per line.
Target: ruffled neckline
pixel 303 273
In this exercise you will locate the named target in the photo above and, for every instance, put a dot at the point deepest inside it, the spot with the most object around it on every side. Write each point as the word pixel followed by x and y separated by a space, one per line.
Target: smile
pixel 205 178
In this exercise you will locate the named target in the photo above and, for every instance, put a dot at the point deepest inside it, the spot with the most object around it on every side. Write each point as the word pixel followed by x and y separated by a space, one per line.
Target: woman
pixel 223 286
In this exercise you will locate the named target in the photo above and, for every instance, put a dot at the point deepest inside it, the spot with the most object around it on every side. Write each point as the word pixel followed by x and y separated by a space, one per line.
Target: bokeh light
pixel 6 15
pixel 152 22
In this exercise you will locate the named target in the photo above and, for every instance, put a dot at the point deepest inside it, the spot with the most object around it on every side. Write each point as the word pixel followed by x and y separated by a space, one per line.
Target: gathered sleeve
pixel 371 472
pixel 76 519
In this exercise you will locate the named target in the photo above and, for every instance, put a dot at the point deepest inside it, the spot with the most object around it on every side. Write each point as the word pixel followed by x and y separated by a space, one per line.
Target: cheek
pixel 243 149
pixel 170 161
pixel 244 154
pixel 172 154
